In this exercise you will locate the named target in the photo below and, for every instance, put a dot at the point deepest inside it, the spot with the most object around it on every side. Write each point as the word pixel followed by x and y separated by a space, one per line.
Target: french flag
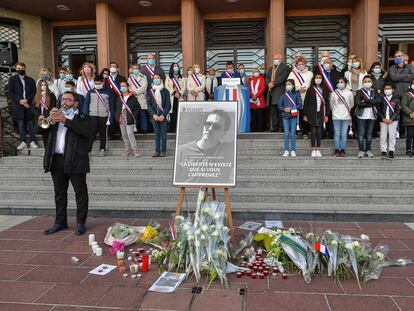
pixel 322 249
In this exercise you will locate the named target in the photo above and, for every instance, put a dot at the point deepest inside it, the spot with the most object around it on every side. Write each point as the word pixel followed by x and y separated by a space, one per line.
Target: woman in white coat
pixel 85 81
pixel 138 85
pixel 196 84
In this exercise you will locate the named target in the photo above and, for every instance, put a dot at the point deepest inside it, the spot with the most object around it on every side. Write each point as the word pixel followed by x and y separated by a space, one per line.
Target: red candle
pixel 261 269
pixel 255 268
pixel 250 265
pixel 242 265
pixel 238 274
pixel 266 272
pixel 249 273
pixel 257 257
pixel 261 275
pixel 267 268
pixel 275 270
pixel 243 272
pixel 253 275
pixel 284 276
pixel 145 262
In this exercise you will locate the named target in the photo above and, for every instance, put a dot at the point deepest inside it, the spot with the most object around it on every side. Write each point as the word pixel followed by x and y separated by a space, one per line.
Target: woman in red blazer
pixel 257 88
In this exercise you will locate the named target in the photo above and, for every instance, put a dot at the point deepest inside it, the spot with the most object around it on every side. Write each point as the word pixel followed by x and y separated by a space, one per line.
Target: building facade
pixel 206 32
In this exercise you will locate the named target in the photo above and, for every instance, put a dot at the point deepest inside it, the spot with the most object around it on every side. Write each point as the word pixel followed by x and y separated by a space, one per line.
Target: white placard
pixel 230 81
pixel 103 269
pixel 250 225
pixel 273 224
pixel 167 282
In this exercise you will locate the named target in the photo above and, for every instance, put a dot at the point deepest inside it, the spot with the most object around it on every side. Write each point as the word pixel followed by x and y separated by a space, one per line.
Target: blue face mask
pixel 242 72
pixel 124 89
pixel 399 60
pixel 68 113
pixel 289 88
pixel 377 71
pixel 68 89
pixel 135 71
pixel 151 62
pixel 68 77
pixel 45 78
pixel 340 86
pixel 176 69
pixel 276 62
pixel 61 75
pixel 262 71
pixel 157 81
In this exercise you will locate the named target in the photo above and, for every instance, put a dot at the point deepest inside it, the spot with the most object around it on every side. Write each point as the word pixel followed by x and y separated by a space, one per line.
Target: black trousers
pixel 98 125
pixel 316 136
pixel 61 184
pixel 172 126
pixel 409 142
pixel 257 120
pixel 275 118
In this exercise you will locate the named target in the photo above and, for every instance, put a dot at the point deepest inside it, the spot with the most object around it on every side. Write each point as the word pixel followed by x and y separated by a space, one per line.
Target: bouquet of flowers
pixel 124 234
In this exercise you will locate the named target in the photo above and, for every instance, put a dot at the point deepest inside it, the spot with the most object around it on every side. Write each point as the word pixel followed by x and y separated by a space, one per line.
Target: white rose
pixel 278 231
pixel 219 253
pixel 334 242
pixel 292 231
pixel 206 210
pixel 179 218
pixel 364 237
pixel 216 233
pixel 204 228
pixel 197 243
pixel 310 236
pixel 217 216
pixel 348 245
pixel 328 232
pixel 191 237
pixel 355 244
pixel 203 237
pixel 380 255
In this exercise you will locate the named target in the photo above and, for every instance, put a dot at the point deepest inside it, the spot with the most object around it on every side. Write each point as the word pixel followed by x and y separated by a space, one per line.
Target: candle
pixel 91 238
pixel 275 270
pixel 145 262
pixel 261 275
pixel 238 274
pixel 249 273
pixel 284 276
pixel 261 269
pixel 266 272
pixel 98 251
pixel 94 248
pixel 120 255
pixel 253 275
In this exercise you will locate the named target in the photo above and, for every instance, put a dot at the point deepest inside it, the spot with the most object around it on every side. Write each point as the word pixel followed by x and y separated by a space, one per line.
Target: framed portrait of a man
pixel 206 144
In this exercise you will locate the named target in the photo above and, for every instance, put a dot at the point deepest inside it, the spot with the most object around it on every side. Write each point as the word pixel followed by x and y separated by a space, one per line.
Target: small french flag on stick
pixel 322 249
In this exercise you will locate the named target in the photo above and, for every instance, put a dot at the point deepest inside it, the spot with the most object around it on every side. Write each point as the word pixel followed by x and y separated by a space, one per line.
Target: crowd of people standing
pixel 320 102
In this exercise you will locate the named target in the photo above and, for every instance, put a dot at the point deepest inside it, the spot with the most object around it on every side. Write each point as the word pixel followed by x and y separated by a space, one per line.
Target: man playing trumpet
pixel 66 157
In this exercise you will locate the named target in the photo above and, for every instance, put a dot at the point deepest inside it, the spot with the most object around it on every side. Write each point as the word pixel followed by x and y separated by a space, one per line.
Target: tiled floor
pixel 36 273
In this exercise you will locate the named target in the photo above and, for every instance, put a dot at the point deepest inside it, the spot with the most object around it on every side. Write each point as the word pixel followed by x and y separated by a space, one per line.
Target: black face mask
pixel 21 72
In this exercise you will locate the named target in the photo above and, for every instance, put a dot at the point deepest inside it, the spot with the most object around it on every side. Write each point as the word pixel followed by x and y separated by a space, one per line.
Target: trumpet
pixel 45 123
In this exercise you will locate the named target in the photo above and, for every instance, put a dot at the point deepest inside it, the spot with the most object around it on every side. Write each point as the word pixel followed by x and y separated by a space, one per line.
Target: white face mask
pixel 189 73
pixel 113 70
pixel 326 67
pixel 388 92
pixel 197 70
pixel 318 81
pixel 367 85
pixel 98 86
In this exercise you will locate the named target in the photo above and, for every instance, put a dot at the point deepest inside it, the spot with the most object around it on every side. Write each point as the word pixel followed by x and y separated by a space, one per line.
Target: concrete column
pixel 111 35
pixel 192 30
pixel 364 30
pixel 275 29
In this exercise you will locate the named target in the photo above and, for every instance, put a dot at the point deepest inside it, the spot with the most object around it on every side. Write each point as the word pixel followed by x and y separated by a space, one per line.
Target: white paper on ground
pixel 250 225
pixel 167 282
pixel 102 269
pixel 273 223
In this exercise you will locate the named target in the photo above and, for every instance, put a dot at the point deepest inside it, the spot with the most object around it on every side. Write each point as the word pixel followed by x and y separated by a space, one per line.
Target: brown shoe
pixel 162 155
pixel 156 155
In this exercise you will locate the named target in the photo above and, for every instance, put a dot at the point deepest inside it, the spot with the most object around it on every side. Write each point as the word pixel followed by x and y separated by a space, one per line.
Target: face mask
pixel 356 65
pixel 87 70
pixel 262 71
pixel 197 70
pixel 21 72
pixel 105 76
pixel 135 71
pixel 318 81
pixel 124 89
pixel 43 87
pixel 377 71
pixel 412 87
pixel 367 85
pixel 324 58
pixel 301 68
pixel 45 78
pixel 68 77
pixel 350 63
pixel 157 81
pixel 113 70
pixel 189 73
pixel 230 71
pixel 399 60
pixel 61 75
pixel 326 67
pixel 289 88
pixel 256 74
pixel 151 62
pixel 340 86
pixel 68 89
pixel 388 92
pixel 98 86
pixel 176 69
pixel 276 62
pixel 69 112
pixel 242 72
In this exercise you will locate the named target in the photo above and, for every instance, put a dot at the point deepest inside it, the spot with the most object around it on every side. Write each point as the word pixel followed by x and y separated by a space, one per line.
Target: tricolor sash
pixel 343 101
pixel 389 104
pixel 86 84
pixel 43 107
pixel 135 82
pixel 299 77
pixel 104 104
pixel 328 81
pixel 150 71
pixel 118 92
pixel 293 110
pixel 196 80
pixel 155 100
pixel 176 84
pixel 366 95
pixel 227 74
pixel 320 95
pixel 255 89
pixel 411 94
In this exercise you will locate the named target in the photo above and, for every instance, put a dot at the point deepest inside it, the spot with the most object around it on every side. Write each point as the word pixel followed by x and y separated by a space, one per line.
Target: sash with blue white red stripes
pixel 197 81
pixel 299 77
pixel 342 99
pixel 106 107
pixel 293 110
pixel 86 84
pixel 328 81
pixel 118 92
pixel 366 95
pixel 411 94
pixel 176 84
pixel 389 104
pixel 155 100
pixel 227 74
pixel 150 71
pixel 135 82
pixel 320 95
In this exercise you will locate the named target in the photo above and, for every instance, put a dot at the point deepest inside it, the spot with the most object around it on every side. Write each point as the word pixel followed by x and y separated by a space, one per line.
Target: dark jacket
pixel 284 102
pixel 15 87
pixel 133 105
pixel 166 104
pixel 279 86
pixel 402 78
pixel 311 105
pixel 81 100
pixel 382 109
pixel 377 84
pixel 407 107
pixel 334 75
pixel 361 103
pixel 76 146
pixel 118 80
pixel 158 71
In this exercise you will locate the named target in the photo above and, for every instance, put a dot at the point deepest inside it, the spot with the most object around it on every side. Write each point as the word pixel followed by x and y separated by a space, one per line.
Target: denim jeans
pixel 142 122
pixel 340 133
pixel 30 125
pixel 289 126
pixel 160 130
pixel 365 129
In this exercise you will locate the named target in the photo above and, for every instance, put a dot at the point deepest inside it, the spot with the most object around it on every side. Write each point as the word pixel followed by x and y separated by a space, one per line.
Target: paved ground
pixel 36 274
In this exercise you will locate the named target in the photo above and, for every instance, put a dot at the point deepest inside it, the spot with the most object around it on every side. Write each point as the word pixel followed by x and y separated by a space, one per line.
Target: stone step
pixel 260 182
pixel 258 196
pixel 241 210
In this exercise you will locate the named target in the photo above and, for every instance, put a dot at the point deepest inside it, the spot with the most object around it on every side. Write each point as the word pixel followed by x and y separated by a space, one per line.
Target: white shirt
pixel 24 86
pixel 368 113
pixel 387 114
pixel 318 103
pixel 61 135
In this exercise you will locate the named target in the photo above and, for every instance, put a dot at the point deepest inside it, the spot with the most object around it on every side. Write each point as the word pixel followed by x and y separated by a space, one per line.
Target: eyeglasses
pixel 67 100
pixel 213 126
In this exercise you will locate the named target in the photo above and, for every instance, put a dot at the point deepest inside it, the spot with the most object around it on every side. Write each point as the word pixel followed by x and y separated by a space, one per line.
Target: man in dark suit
pixel 275 80
pixel 151 69
pixel 22 90
pixel 66 157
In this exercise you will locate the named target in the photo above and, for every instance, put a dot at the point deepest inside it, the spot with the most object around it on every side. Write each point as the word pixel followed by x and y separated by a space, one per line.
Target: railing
pixel 8 137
